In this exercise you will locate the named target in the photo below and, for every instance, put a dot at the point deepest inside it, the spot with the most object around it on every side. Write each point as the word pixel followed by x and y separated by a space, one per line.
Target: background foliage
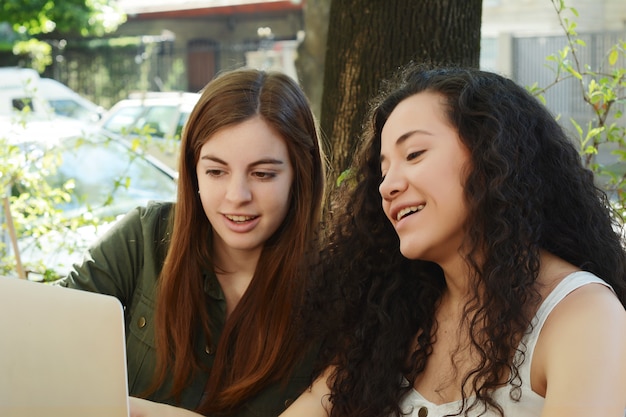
pixel 67 17
pixel 34 21
pixel 603 90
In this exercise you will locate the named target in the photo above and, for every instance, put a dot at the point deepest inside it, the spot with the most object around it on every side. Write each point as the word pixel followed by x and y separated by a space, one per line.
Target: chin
pixel 409 253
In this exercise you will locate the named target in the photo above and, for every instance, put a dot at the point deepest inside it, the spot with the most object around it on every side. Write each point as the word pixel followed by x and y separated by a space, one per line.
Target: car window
pixel 182 119
pixel 64 107
pixel 123 119
pixel 71 108
pixel 22 102
pixel 161 119
pixel 110 179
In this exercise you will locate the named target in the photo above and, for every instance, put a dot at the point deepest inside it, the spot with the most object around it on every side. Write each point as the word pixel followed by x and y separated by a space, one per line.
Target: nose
pixel 392 185
pixel 238 190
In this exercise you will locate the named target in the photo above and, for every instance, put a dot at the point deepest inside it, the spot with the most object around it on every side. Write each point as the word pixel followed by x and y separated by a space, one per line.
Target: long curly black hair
pixel 527 191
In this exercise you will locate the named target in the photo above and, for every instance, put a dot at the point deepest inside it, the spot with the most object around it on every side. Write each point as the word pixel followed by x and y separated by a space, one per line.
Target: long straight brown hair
pixel 258 344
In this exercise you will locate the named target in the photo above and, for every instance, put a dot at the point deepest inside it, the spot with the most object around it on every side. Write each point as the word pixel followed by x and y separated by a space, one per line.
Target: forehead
pixel 252 138
pixel 422 113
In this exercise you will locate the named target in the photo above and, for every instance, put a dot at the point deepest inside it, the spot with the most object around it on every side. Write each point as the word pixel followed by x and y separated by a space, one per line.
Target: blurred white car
pixel 66 102
pixel 90 178
pixel 21 87
pixel 160 116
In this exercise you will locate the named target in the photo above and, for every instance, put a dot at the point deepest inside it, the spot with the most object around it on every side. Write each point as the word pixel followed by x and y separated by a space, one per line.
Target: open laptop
pixel 62 352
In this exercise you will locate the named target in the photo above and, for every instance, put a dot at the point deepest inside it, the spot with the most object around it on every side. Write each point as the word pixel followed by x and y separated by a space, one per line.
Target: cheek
pixel 385 206
pixel 209 196
pixel 282 201
pixel 283 192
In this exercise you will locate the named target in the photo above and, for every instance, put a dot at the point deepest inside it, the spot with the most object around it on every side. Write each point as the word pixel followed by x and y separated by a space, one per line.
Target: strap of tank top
pixel 570 283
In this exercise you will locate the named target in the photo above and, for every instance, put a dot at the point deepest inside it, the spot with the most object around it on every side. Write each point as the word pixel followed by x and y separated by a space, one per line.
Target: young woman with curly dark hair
pixel 475 268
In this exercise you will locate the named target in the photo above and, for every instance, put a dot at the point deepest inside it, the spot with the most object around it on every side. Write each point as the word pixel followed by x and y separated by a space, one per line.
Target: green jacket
pixel 125 262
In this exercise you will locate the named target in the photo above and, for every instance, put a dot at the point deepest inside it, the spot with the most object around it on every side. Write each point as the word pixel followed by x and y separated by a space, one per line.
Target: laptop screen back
pixel 62 352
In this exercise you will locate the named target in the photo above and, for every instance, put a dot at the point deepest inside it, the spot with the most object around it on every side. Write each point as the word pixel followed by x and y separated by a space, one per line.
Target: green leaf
pixel 577 127
pixel 343 177
pixel 574 72
pixel 590 150
pixel 593 133
pixel 613 57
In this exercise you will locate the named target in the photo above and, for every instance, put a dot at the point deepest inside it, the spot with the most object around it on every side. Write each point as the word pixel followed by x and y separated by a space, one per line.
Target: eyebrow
pixel 264 161
pixel 407 135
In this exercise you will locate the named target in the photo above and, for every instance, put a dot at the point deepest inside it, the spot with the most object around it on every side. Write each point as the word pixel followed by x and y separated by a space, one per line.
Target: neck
pixel 234 270
pixel 457 275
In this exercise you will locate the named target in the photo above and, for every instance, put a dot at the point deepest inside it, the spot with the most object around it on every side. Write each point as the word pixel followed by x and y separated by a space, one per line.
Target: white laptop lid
pixel 62 352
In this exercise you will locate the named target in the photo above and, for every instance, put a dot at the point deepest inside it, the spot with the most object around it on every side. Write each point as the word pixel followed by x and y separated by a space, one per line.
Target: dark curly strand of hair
pixel 527 191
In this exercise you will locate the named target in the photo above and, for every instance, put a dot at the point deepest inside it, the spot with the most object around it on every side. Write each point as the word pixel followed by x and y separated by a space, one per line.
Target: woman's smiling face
pixel 423 164
pixel 244 180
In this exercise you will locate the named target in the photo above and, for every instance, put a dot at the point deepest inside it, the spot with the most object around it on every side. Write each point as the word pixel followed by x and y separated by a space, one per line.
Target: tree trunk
pixel 369 39
pixel 312 52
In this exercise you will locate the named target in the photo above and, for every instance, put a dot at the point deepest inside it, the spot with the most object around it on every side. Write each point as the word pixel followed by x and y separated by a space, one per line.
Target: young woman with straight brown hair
pixel 212 284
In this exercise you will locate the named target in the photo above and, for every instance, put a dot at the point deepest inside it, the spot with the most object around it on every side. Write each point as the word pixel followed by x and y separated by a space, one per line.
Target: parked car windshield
pixel 106 171
pixel 161 119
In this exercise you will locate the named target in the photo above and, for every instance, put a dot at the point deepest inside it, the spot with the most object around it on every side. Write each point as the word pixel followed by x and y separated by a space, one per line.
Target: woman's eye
pixel 264 175
pixel 215 172
pixel 414 155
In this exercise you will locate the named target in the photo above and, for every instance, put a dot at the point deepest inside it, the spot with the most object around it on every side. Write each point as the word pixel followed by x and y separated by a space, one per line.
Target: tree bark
pixel 312 52
pixel 369 39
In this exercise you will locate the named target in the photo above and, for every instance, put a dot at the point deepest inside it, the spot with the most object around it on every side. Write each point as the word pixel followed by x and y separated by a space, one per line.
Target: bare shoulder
pixel 583 340
pixel 587 313
pixel 592 310
pixel 592 300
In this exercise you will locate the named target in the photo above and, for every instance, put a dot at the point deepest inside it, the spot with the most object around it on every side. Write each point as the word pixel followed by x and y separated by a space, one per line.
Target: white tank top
pixel 530 403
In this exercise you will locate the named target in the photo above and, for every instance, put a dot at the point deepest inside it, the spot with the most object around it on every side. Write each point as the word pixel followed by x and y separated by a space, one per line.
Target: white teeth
pixel 408 210
pixel 239 218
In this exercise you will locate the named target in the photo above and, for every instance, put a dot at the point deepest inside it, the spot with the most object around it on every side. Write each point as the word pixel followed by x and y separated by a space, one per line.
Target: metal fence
pixel 106 74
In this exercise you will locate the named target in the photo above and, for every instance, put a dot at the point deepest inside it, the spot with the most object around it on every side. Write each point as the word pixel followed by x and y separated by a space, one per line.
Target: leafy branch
pixel 603 90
